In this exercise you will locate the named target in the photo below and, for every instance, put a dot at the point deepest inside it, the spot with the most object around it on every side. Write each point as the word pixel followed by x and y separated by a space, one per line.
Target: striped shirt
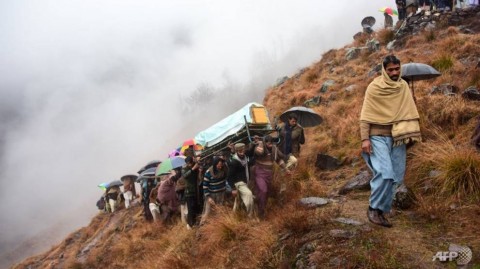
pixel 214 184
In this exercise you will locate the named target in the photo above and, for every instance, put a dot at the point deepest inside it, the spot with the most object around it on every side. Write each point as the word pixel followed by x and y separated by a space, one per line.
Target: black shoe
pixel 385 222
pixel 375 216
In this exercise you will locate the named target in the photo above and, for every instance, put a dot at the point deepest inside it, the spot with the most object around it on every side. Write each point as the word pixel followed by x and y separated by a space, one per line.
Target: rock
pixel 471 93
pixel 391 45
pixel 302 257
pixel 300 73
pixel 446 89
pixel 351 88
pixel 326 162
pixel 373 45
pixel 434 173
pixel 280 81
pixel 352 53
pixel 285 236
pixel 338 262
pixel 344 234
pixel 312 102
pixel 326 85
pixel 313 201
pixel 360 182
pixel 404 198
pixel 349 221
pixel 430 26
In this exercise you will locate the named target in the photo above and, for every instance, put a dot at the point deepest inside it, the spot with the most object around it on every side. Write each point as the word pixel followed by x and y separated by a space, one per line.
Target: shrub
pixel 443 63
pixel 385 36
pixel 458 171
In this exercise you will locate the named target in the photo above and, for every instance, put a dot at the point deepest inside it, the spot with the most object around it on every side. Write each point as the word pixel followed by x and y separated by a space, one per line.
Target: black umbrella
pixel 114 183
pixel 417 71
pixel 306 116
pixel 133 177
pixel 146 174
pixel 151 164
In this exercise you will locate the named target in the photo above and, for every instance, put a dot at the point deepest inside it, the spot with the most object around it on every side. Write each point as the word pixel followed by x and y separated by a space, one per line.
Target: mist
pixel 93 90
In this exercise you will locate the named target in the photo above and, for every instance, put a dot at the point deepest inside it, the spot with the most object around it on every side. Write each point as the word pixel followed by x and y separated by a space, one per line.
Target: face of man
pixel 393 71
pixel 292 122
pixel 269 145
pixel 241 153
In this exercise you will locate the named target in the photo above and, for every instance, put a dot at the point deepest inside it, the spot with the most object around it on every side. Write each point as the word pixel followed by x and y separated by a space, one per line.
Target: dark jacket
pixel 297 139
pixel 236 171
pixel 190 177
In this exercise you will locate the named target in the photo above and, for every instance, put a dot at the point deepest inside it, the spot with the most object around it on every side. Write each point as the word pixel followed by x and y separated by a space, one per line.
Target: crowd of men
pixel 407 8
pixel 240 176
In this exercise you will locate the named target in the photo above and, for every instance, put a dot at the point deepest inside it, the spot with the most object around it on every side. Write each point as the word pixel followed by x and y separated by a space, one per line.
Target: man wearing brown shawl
pixel 388 122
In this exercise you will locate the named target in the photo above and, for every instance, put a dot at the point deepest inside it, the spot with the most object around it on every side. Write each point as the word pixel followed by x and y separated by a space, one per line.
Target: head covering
pixel 239 146
pixel 389 102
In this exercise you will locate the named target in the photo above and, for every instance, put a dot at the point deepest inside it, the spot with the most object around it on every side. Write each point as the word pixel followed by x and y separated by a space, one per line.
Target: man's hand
pixel 367 146
pixel 234 193
pixel 210 201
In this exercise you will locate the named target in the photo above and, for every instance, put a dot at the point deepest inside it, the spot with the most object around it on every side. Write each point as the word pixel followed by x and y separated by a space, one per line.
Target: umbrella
pixel 190 142
pixel 114 184
pixel 306 116
pixel 174 153
pixel 151 164
pixel 389 11
pixel 148 173
pixel 133 177
pixel 103 186
pixel 368 22
pixel 169 164
pixel 417 71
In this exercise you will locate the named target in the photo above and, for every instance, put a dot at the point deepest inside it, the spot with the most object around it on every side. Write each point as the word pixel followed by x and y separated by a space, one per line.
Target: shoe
pixel 375 216
pixel 188 227
pixel 385 222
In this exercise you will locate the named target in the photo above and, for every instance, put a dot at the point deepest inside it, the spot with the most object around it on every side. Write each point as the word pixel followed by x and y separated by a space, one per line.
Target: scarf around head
pixel 389 102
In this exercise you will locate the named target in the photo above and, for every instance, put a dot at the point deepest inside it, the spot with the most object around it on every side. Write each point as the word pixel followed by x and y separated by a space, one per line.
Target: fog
pixel 93 90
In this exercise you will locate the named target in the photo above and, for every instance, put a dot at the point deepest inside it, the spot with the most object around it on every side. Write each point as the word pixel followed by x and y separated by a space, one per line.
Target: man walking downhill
pixel 389 121
pixel 238 177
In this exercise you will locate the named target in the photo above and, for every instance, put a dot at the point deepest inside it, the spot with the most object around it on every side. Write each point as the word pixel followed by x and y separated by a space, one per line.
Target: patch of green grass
pixel 443 63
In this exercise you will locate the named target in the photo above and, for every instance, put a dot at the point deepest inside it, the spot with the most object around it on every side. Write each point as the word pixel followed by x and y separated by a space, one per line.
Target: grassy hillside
pixel 447 208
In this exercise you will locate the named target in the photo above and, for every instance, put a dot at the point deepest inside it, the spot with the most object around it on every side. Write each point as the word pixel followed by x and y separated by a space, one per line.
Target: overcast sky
pixel 92 90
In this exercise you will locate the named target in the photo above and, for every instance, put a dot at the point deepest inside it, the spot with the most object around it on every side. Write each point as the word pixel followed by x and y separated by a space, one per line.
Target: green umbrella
pixel 170 164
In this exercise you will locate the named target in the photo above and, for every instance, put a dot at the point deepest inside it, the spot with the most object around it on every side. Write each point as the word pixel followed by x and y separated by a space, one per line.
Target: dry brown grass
pixel 446 206
pixel 384 36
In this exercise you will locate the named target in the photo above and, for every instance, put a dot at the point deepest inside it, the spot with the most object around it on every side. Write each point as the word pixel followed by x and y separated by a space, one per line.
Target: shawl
pixel 244 163
pixel 389 102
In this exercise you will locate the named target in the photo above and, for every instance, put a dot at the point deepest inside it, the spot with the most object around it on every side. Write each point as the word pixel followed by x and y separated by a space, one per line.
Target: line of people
pixel 240 176
pixel 407 8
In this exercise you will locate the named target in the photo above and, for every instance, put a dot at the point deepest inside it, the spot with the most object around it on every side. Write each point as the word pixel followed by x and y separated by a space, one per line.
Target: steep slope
pixel 293 236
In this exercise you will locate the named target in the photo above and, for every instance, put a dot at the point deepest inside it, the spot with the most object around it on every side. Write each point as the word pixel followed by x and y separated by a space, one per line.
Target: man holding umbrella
pixel 389 120
pixel 291 137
